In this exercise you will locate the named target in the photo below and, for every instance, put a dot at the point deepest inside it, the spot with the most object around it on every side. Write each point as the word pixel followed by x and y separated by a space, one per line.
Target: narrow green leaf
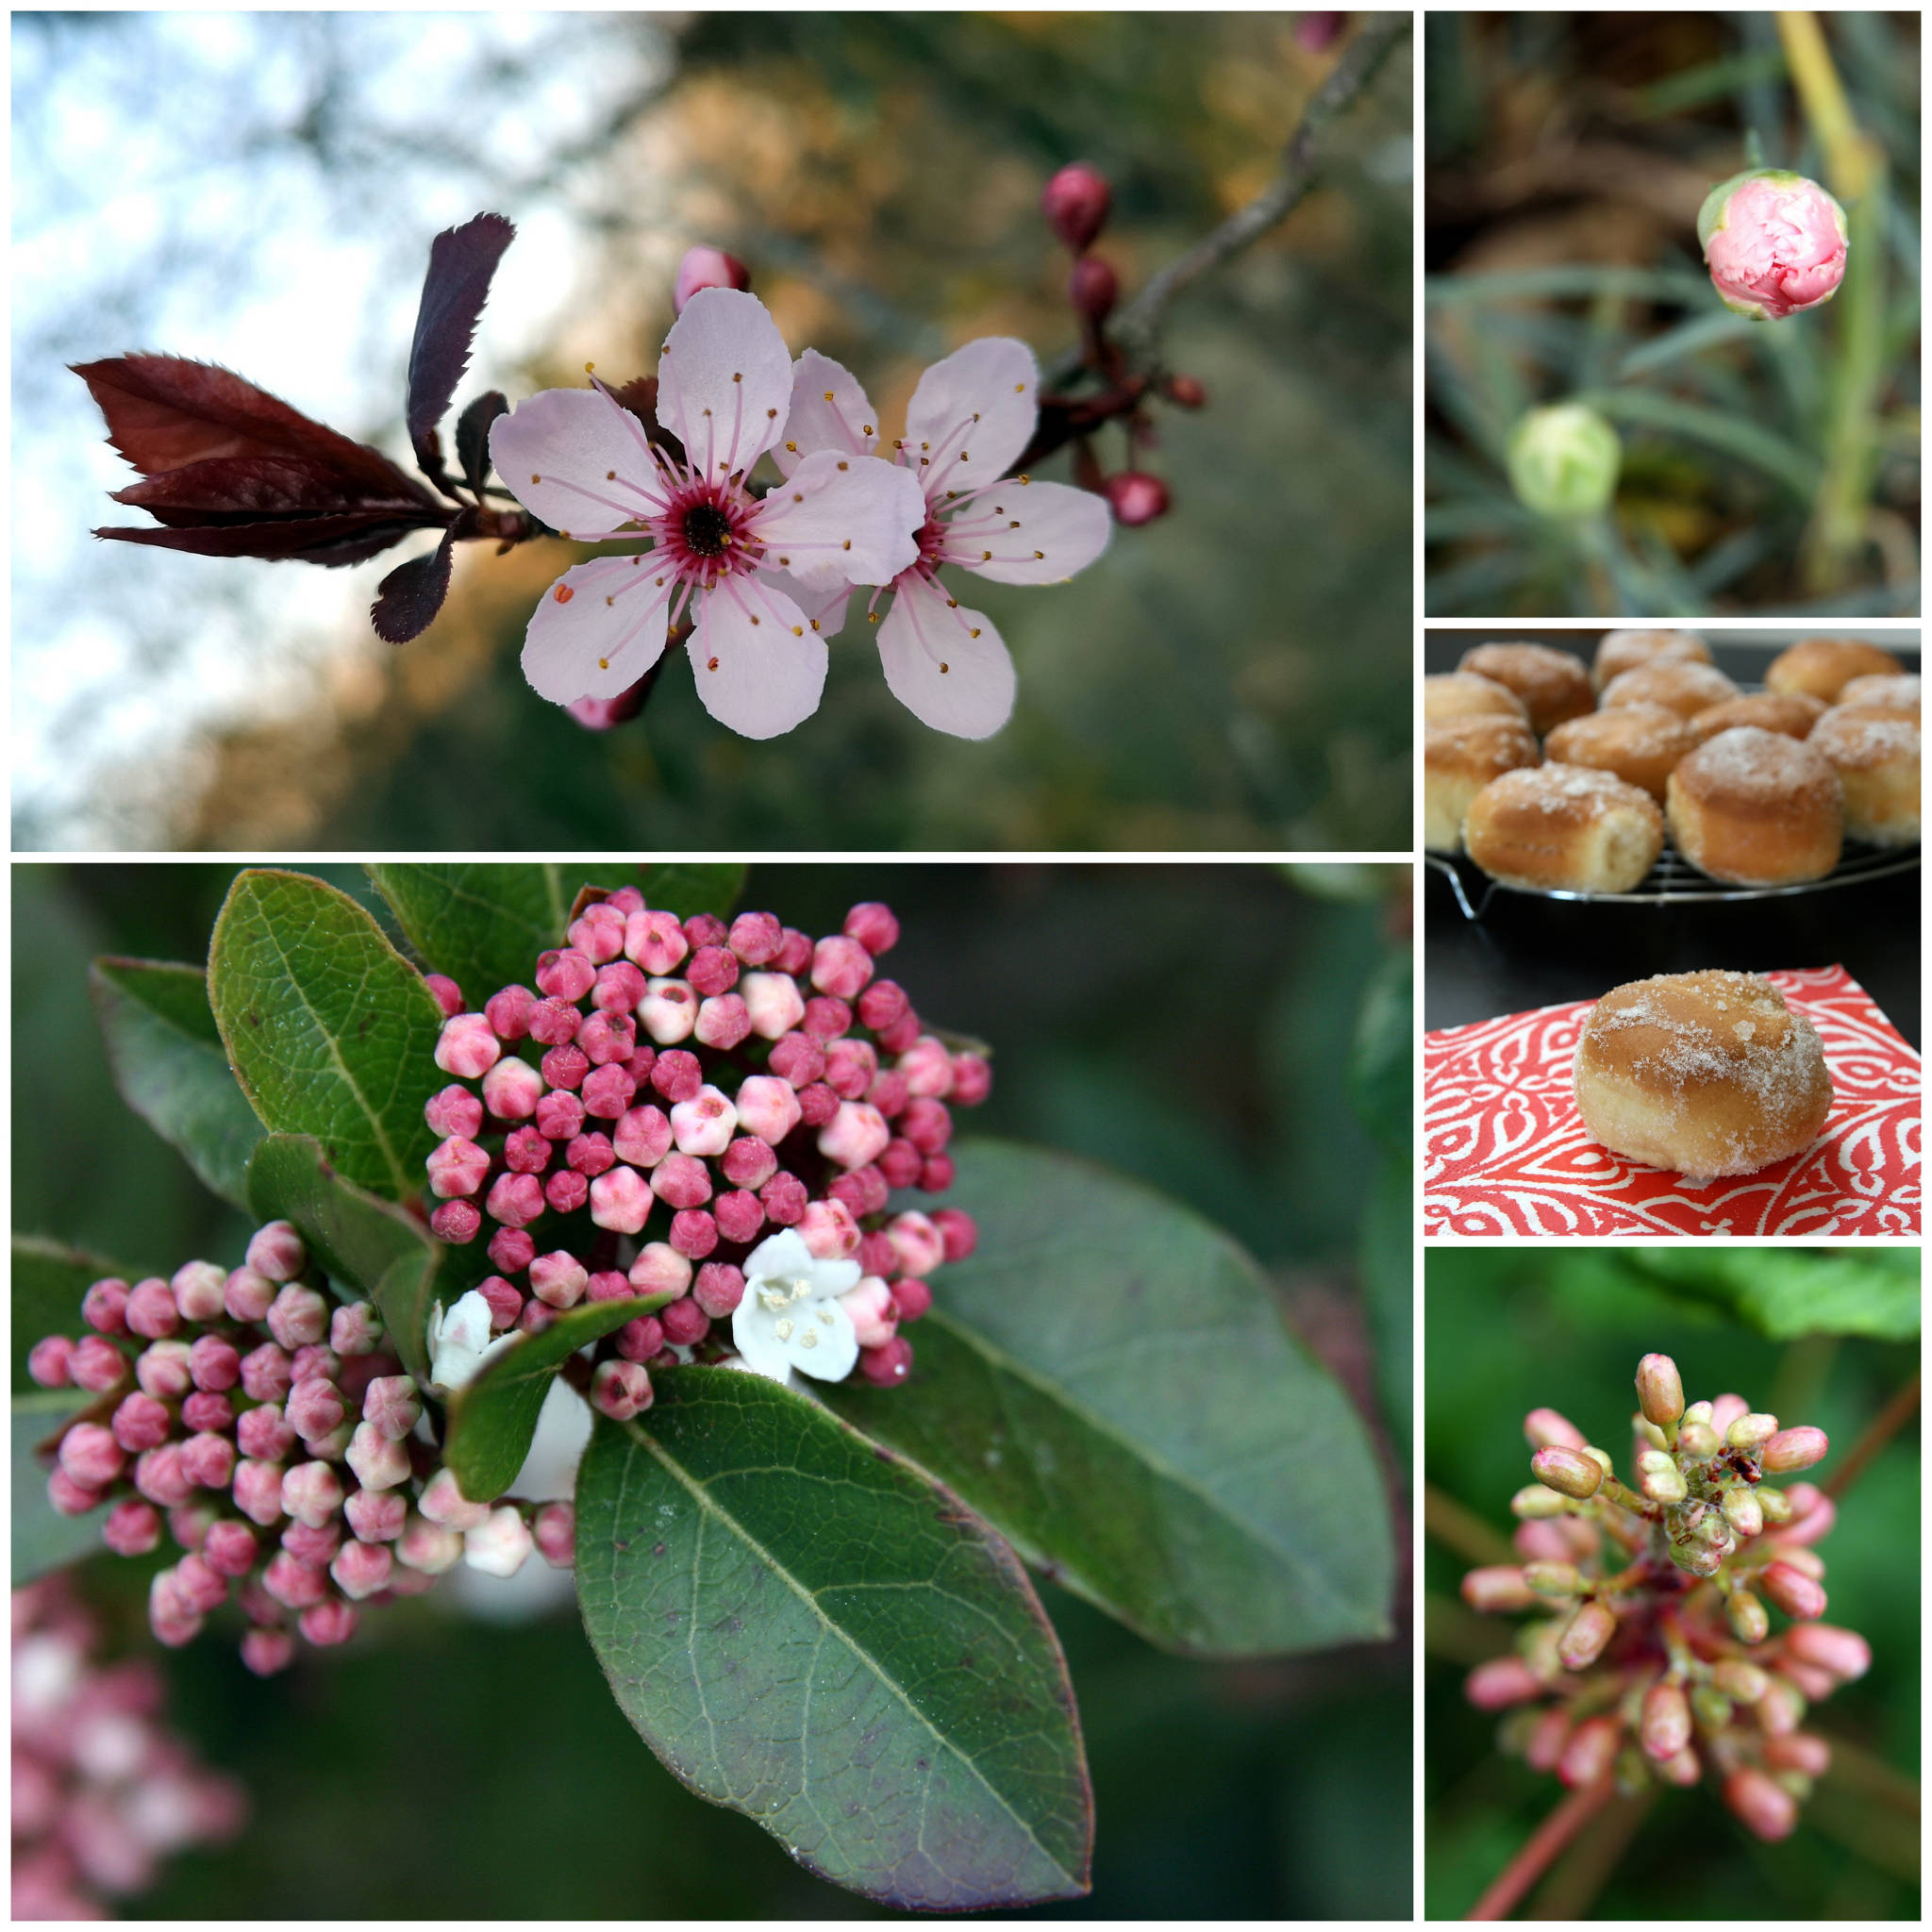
pixel 808 1631
pixel 687 890
pixel 1381 1067
pixel 43 1539
pixel 48 1281
pixel 171 1069
pixel 483 925
pixel 362 1241
pixel 1108 1381
pixel 493 1421
pixel 329 1029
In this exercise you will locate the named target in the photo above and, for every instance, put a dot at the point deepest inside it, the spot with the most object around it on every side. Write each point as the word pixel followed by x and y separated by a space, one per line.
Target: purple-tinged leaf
pixel 253 488
pixel 353 538
pixel 473 435
pixel 640 396
pixel 408 598
pixel 461 261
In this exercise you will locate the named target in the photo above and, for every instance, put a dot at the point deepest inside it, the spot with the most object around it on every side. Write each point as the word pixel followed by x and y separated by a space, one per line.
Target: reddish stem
pixel 1529 1864
pixel 1883 1427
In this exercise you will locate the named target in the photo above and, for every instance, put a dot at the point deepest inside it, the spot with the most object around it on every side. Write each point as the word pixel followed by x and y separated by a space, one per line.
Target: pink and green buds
pixel 1563 461
pixel 1659 1389
pixel 1585 1635
pixel 1573 1472
pixel 1666 1726
pixel 1794 1449
pixel 1775 243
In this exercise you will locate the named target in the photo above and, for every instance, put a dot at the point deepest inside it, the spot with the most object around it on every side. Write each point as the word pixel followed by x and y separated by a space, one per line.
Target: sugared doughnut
pixel 1685 688
pixel 1458 759
pixel 1884 692
pixel 1553 684
pixel 1790 713
pixel 1625 650
pixel 1824 666
pixel 1701 1074
pixel 1641 743
pixel 1564 828
pixel 1754 808
pixel 1451 694
pixel 1875 755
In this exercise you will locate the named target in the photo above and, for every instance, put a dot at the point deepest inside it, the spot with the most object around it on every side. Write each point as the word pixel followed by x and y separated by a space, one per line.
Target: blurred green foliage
pixel 1192 1025
pixel 1766 466
pixel 1508 1330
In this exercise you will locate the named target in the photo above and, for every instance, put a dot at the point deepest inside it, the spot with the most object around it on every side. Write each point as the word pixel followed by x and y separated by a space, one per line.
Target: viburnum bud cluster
pixel 102 1790
pixel 1653 1656
pixel 705 1111
pixel 254 1417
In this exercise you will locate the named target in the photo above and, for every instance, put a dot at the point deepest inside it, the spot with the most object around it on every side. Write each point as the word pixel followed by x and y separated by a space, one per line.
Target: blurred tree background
pixel 261 189
pixel 1767 467
pixel 1194 1025
pixel 1514 1328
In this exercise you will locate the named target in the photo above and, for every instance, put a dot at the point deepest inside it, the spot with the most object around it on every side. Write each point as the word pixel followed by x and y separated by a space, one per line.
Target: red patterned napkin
pixel 1505 1151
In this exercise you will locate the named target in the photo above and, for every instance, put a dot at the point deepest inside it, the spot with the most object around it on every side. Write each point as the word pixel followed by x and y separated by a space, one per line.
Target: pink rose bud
pixel 297 1316
pixel 755 938
pixel 706 268
pixel 230 1548
pixel 553 1529
pixel 103 1307
pixel 918 1242
pixel 355 1329
pixel 1495 1588
pixel 142 1422
pixel 199 1289
pixel 1792 1591
pixel 830 1230
pixel 444 1501
pixel 361 1569
pixel 457 1168
pixel 774 1002
pixel 247 1295
pixel 1794 1449
pixel 668 1011
pixel 684 1323
pixel 332 1620
pixel 96 1365
pixel 47 1361
pixel 783 1198
pixel 392 1404
pixel 693 1233
pixel 1764 1807
pixel 376 1516
pixel 1775 243
pixel 90 1455
pixel 467 1048
pixel 660 1268
pixel 276 1251
pixel 1075 203
pixel 1589 1753
pixel 888 1365
pixel 454 1113
pixel 856 1135
pixel 311 1494
pixel 511 1089
pixel 132 1528
pixel 749 1161
pixel 71 1498
pixel 1844 1653
pixel 738 1214
pixel 971 1079
pixel 163 1370
pixel 1136 497
pixel 1092 289
pixel 598 932
pixel 379 1462
pixel 874 1314
pixel 623 1388
pixel 911 1298
pixel 724 1023
pixel 150 1311
pixel 874 925
pixel 207 1461
pixel 214 1364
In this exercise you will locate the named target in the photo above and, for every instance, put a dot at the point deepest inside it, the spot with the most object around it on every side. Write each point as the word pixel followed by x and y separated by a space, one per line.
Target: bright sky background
pixel 259 191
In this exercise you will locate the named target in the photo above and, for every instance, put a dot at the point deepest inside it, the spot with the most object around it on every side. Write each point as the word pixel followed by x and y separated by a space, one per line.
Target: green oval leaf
pixel 329 1029
pixel 1786 1292
pixel 47 1281
pixel 171 1069
pixel 42 1539
pixel 810 1632
pixel 492 1419
pixel 1107 1380
pixel 689 890
pixel 483 925
pixel 362 1241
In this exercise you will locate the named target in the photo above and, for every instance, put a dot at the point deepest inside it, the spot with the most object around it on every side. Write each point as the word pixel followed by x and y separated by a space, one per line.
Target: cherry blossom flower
pixel 968 419
pixel 791 1317
pixel 753 572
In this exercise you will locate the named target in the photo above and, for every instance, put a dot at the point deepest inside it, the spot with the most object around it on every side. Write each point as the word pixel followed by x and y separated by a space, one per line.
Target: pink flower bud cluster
pixel 103 1791
pixel 670 1093
pixel 253 1419
pixel 1652 1657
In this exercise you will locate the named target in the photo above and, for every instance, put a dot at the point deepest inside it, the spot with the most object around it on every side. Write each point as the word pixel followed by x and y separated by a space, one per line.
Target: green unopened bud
pixel 1649 1433
pixel 1570 1472
pixel 1794 1782
pixel 1776 1504
pixel 1749 1619
pixel 1736 1679
pixel 1698 1440
pixel 1659 1478
pixel 1743 1512
pixel 1553 1579
pixel 1711 1706
pixel 1698 1412
pixel 1750 1431
pixel 1533 1502
pixel 1601 1457
pixel 1659 1389
pixel 1714 1533
pixel 1633 1774
pixel 1584 1634
pixel 1563 461
pixel 1695 1558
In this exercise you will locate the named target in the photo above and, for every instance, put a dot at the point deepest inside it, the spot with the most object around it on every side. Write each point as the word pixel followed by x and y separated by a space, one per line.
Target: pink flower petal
pixel 824 610
pixel 1069 527
pixel 842 520
pixel 760 668
pixel 576 459
pixel 947 666
pixel 829 410
pixel 973 414
pixel 725 382
pixel 597 629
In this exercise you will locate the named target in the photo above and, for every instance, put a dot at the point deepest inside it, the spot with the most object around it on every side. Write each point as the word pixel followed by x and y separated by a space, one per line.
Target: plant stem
pixel 1879 1432
pixel 1463 1530
pixel 1529 1864
pixel 1576 1880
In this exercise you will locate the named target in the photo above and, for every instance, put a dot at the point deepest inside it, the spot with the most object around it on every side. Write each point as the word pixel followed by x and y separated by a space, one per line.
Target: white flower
pixel 968 419
pixel 460 1342
pixel 753 572
pixel 791 1317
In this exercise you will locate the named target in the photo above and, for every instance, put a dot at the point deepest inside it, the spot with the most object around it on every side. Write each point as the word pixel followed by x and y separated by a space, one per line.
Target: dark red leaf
pixel 165 413
pixel 473 435
pixel 352 537
pixel 461 261
pixel 252 488
pixel 640 396
pixel 408 598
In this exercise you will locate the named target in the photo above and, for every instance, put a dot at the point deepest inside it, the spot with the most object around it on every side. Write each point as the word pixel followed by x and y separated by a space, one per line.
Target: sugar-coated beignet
pixel 1458 759
pixel 1564 828
pixel 1552 683
pixel 1754 808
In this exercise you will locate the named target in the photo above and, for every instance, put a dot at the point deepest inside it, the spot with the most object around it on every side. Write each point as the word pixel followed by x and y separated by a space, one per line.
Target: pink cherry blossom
pixel 751 571
pixel 969 419
pixel 1777 246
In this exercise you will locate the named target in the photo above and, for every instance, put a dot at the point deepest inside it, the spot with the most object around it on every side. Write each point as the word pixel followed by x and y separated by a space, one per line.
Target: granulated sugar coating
pixel 1706 1074
pixel 1748 766
pixel 1859 738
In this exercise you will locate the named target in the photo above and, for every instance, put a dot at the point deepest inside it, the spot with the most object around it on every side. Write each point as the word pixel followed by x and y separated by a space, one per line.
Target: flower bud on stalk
pixel 1137 497
pixel 1076 204
pixel 1586 1634
pixel 1791 1449
pixel 1563 461
pixel 1572 1473
pixel 1659 1389
pixel 1775 243
pixel 1666 1726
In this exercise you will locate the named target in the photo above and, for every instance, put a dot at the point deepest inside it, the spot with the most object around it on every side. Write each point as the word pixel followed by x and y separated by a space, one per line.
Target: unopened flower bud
pixel 1563 461
pixel 1586 1634
pixel 1659 1391
pixel 1844 1653
pixel 553 1529
pixel 1742 1512
pixel 1545 1428
pixel 1075 203
pixel 1698 1440
pixel 1659 1478
pixel 1792 1591
pixel 1749 1620
pixel 1092 289
pixel 200 1290
pixel 379 1463
pixel 151 1310
pixel 1553 1579
pixel 1750 1431
pixel 1533 1501
pixel 501 1543
pixel 332 1620
pixel 1666 1726
pixel 1570 1472
pixel 1775 243
pixel 1499 1682
pixel 1590 1752
pixel 1136 497
pixel 361 1569
pixel 1800 1751
pixel 706 268
pixel 132 1528
pixel 1794 1449
pixel 1764 1808
pixel 1496 1588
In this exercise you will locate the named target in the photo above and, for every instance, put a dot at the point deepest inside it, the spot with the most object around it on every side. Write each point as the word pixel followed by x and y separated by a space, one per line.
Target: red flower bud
pixel 1076 204
pixel 1092 289
pixel 1137 497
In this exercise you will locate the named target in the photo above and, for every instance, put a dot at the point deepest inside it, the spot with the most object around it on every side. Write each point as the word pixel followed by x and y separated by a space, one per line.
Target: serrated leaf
pixel 808 1631
pixel 46 1283
pixel 473 435
pixel 361 1241
pixel 42 1539
pixel 482 925
pixel 1107 1380
pixel 492 1421
pixel 329 1029
pixel 1786 1292
pixel 454 287
pixel 170 1067
pixel 1381 1072
pixel 689 890
pixel 408 598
